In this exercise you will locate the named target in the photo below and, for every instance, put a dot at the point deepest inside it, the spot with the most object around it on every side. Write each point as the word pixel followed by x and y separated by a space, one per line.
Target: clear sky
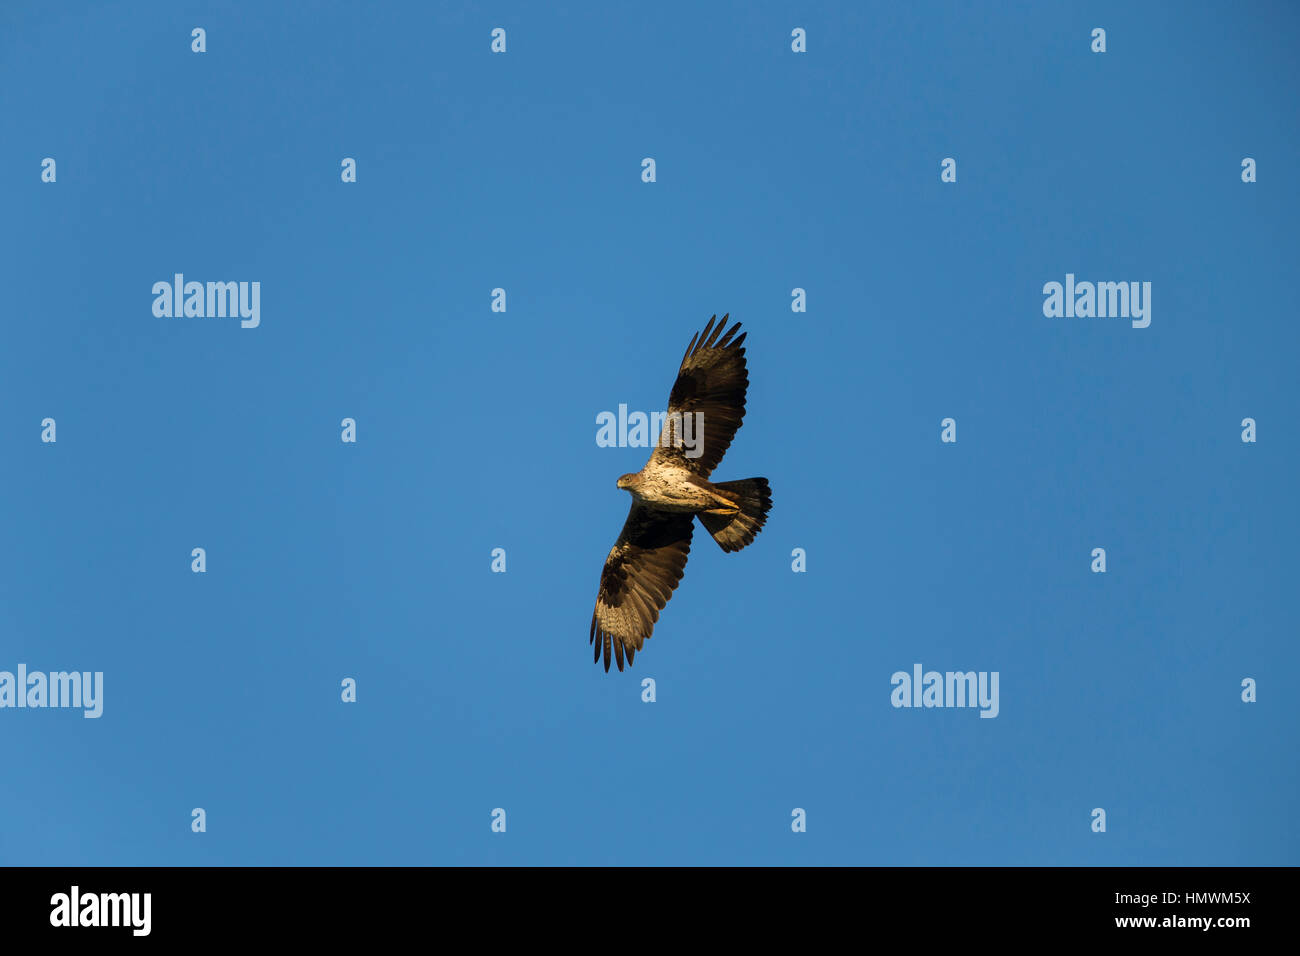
pixel 476 430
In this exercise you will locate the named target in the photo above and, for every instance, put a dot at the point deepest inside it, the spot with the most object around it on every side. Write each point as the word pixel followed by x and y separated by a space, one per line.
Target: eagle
pixel 673 489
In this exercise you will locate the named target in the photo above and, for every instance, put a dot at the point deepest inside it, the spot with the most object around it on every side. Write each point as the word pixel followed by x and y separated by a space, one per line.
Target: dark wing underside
pixel 640 574
pixel 711 381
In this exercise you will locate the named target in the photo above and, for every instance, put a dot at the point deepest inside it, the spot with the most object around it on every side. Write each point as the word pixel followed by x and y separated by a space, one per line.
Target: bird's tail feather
pixel 733 532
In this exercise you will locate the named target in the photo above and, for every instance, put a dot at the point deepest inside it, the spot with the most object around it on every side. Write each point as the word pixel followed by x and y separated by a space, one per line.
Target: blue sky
pixel 476 430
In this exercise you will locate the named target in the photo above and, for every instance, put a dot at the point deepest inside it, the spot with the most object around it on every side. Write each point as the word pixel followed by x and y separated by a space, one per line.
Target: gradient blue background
pixel 477 430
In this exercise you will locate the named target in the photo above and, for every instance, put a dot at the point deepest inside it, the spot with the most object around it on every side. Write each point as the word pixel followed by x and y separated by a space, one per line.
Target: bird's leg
pixel 724 507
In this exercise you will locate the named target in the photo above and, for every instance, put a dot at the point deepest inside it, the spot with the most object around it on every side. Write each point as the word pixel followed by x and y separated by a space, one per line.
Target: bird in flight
pixel 673 489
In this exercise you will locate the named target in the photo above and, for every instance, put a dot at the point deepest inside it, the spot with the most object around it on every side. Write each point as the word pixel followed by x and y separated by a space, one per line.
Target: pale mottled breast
pixel 673 489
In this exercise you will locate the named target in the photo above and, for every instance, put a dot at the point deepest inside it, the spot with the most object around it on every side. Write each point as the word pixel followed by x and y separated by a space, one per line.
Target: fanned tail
pixel 754 498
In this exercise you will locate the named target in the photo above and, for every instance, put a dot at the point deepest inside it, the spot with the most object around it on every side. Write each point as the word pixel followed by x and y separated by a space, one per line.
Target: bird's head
pixel 627 482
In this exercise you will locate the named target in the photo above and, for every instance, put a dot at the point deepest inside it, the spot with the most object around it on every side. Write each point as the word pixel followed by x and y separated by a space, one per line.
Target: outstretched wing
pixel 640 574
pixel 710 389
